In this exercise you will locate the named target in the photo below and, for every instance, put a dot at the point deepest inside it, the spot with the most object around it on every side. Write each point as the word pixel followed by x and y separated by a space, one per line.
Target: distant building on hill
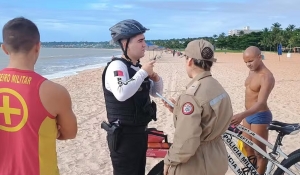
pixel 239 32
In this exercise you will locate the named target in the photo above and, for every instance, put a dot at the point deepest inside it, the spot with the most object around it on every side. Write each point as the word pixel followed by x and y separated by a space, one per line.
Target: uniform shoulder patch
pixel 187 108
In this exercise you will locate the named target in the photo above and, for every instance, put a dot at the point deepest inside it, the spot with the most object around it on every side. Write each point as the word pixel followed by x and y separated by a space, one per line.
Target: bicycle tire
pixel 288 163
pixel 293 153
pixel 158 169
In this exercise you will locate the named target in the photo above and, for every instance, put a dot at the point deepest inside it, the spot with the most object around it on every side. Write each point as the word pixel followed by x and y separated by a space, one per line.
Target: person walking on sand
pixel 32 108
pixel 257 115
pixel 201 115
pixel 127 86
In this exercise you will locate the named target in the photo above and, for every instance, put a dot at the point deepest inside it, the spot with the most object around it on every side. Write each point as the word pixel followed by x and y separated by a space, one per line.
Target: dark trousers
pixel 129 158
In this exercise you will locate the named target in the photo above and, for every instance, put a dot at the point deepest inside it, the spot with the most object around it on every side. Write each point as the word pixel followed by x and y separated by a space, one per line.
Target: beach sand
pixel 88 153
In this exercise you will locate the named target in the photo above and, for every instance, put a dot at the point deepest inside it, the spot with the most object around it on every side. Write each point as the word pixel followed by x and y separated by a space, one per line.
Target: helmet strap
pixel 125 50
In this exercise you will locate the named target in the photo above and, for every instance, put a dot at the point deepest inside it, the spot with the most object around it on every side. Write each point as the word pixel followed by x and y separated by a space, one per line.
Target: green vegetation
pixel 267 40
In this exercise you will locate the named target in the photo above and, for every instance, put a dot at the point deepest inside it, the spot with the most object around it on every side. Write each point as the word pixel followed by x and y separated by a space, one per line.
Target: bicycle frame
pixel 227 137
pixel 268 144
pixel 234 167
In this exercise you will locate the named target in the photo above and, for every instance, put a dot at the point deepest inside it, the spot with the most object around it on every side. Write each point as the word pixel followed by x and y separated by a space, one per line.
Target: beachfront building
pixel 238 32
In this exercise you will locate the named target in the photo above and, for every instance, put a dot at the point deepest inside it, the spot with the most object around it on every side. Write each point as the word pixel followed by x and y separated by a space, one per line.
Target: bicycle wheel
pixel 158 169
pixel 288 163
pixel 293 153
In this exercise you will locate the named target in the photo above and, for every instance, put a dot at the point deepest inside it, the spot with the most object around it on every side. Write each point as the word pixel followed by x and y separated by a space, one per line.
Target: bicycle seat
pixel 284 124
pixel 285 130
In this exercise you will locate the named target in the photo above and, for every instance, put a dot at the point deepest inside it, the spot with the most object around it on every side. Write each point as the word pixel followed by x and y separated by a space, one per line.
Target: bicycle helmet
pixel 126 29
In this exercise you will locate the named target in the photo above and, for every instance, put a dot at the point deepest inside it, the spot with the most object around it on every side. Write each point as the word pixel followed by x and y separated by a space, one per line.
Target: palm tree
pixel 289 35
pixel 276 25
pixel 277 34
pixel 266 39
pixel 222 41
pixel 291 28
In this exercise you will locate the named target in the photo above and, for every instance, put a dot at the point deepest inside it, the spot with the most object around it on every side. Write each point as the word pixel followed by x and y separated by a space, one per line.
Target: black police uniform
pixel 128 120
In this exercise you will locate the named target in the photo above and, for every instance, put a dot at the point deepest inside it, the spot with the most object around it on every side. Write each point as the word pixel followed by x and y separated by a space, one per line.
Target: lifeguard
pixel 31 107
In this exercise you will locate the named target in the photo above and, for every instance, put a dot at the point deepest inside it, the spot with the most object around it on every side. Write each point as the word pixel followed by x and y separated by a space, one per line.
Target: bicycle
pixel 282 129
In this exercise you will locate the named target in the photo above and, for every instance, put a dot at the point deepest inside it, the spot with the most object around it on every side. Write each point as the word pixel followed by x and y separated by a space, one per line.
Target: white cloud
pixel 51 24
pixel 97 6
pixel 108 6
pixel 232 6
pixel 165 19
pixel 124 6
pixel 62 25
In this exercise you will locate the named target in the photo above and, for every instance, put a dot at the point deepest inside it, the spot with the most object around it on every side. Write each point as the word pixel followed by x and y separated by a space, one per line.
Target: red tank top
pixel 27 131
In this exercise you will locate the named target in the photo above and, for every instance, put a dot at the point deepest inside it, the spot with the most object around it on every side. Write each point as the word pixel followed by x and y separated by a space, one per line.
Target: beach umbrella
pixel 151 46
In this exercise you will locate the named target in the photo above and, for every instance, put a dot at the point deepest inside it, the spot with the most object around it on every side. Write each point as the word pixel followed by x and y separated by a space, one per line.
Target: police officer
pixel 201 115
pixel 127 86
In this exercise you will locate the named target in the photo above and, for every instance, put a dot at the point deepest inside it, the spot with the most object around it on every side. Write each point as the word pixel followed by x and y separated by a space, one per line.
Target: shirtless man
pixel 259 85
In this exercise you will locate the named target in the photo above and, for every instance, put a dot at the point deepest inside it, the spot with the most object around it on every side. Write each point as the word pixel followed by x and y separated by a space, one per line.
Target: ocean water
pixel 61 62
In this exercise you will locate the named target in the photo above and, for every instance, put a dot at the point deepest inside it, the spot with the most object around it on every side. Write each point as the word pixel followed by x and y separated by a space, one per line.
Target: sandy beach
pixel 88 154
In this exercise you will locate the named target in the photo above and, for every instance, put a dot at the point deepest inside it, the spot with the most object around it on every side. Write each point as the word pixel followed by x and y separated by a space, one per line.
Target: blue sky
pixel 89 20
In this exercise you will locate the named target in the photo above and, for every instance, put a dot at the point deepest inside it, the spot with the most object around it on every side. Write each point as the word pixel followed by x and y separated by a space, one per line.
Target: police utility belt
pixel 115 130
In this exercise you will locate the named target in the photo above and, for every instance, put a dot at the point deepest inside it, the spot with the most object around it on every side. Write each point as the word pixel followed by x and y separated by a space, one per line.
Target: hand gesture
pixel 148 67
pixel 236 119
pixel 154 77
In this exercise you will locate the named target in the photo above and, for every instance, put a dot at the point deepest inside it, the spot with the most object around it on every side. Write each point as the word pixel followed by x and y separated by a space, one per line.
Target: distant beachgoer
pixel 34 111
pixel 258 116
